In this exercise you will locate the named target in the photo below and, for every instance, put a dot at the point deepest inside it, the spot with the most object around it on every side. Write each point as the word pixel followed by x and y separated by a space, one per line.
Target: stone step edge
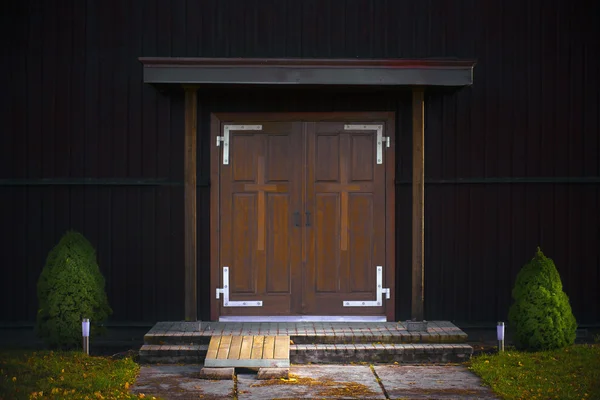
pixel 152 349
pixel 320 339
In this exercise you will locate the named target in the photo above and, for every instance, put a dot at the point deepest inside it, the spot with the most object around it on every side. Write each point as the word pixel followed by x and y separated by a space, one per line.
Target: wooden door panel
pixel 361 207
pixel 281 158
pixel 260 191
pixel 361 277
pixel 362 167
pixel 243 237
pixel 279 249
pixel 327 157
pixel 326 244
pixel 245 146
pixel 346 191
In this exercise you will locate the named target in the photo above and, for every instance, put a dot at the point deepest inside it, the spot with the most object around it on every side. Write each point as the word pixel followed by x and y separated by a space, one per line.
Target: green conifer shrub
pixel 541 316
pixel 70 288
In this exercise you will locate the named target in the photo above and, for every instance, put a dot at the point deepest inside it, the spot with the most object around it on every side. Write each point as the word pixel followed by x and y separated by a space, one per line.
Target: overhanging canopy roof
pixel 253 71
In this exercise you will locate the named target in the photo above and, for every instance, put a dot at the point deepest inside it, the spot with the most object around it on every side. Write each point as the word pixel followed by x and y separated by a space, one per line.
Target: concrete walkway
pixel 317 381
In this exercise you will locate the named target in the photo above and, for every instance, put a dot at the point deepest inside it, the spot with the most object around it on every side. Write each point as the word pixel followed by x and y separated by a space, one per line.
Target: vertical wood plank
pixel 224 346
pixel 257 347
pixel 390 213
pixel 191 105
pixel 344 222
pixel 418 195
pixel 236 346
pixel 344 148
pixel 215 237
pixel 261 204
pixel 246 349
pixel 282 347
pixel 213 347
pixel 269 347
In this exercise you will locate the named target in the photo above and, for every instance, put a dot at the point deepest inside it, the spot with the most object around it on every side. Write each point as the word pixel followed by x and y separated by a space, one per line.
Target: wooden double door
pixel 303 224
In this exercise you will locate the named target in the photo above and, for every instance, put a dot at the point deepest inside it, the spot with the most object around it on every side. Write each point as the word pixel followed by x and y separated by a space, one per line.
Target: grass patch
pixel 569 373
pixel 60 375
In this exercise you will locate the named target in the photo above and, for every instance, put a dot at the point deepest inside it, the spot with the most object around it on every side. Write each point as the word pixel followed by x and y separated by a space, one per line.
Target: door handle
pixel 297 219
pixel 308 218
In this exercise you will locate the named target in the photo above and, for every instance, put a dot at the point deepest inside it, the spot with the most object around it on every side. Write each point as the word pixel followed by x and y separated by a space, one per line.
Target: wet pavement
pixel 317 381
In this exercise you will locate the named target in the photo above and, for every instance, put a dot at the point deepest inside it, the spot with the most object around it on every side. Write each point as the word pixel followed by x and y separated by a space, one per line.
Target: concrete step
pixel 404 353
pixel 326 353
pixel 456 336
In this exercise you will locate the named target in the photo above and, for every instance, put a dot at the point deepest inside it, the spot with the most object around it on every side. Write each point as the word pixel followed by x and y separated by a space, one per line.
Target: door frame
pixel 216 120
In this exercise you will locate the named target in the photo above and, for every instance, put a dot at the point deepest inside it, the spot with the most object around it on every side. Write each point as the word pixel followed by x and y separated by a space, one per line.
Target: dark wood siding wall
pixel 511 163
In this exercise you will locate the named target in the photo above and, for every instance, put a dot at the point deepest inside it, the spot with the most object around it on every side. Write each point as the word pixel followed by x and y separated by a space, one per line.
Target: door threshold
pixel 304 318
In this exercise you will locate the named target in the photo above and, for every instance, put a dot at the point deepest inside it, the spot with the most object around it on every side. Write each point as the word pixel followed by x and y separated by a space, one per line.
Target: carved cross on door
pixel 261 188
pixel 344 189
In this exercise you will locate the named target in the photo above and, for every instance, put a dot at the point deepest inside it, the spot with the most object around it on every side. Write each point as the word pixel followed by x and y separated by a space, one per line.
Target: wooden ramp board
pixel 248 351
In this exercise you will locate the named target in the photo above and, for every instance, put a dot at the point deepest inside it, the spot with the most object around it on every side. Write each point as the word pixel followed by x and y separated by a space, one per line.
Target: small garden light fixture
pixel 500 334
pixel 85 330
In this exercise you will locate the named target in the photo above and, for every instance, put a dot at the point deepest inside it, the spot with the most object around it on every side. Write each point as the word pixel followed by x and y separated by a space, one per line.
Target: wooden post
pixel 418 193
pixel 191 103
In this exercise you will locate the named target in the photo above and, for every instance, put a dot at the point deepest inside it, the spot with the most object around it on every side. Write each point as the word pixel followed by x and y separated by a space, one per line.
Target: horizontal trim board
pixel 303 318
pixel 223 62
pixel 248 363
pixel 538 179
pixel 395 72
pixel 205 182
pixel 201 182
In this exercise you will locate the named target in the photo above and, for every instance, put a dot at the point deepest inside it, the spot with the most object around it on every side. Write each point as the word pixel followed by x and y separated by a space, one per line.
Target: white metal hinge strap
pixel 225 138
pixel 380 137
pixel 225 292
pixel 380 291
